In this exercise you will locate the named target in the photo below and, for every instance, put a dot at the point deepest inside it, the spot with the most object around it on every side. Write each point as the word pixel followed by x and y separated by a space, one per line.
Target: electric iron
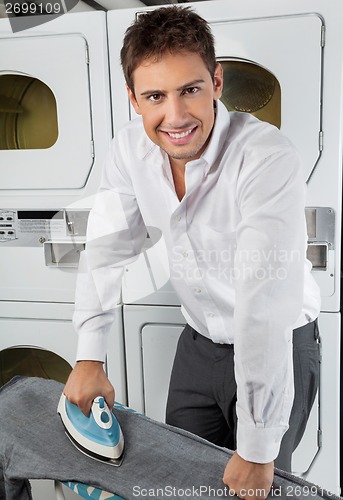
pixel 99 436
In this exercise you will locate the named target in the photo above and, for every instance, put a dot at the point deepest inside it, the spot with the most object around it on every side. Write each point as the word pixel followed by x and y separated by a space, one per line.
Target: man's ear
pixel 218 81
pixel 133 101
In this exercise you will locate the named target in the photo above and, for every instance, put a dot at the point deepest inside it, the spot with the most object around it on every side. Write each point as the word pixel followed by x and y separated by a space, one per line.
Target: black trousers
pixel 202 392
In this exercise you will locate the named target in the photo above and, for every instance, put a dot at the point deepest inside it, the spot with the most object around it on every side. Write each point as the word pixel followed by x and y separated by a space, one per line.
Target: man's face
pixel 175 98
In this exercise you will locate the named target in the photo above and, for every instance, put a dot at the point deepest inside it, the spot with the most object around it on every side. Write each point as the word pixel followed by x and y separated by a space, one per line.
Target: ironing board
pixel 84 491
pixel 158 457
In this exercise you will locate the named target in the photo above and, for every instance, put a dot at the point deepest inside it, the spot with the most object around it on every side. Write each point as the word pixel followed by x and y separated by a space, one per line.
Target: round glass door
pixel 251 89
pixel 32 362
pixel 28 113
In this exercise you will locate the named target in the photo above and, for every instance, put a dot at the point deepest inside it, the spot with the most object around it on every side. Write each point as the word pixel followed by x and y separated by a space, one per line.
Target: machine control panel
pixel 34 227
pixel 7 231
pixel 60 233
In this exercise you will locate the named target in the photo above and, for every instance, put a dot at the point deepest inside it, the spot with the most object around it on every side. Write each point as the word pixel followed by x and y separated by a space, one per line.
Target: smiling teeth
pixel 180 135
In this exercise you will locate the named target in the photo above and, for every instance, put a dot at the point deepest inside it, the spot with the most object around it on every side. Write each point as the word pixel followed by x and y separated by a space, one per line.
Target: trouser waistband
pixel 198 336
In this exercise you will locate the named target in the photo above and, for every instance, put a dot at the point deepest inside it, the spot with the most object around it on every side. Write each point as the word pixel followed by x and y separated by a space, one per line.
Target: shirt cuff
pixel 259 444
pixel 92 346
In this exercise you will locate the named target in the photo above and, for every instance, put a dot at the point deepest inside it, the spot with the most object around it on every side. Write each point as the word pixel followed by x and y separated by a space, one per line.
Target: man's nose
pixel 175 111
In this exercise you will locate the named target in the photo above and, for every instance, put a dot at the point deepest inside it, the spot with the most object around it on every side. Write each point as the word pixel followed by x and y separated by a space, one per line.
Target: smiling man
pixel 178 113
pixel 227 193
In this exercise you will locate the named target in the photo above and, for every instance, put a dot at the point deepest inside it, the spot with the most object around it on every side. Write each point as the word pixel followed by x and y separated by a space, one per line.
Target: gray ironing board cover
pixel 160 461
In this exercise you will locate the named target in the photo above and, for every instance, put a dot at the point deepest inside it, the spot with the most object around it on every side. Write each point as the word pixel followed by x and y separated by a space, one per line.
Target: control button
pixel 104 417
pixel 10 232
pixel 9 218
pixel 2 232
pixel 101 403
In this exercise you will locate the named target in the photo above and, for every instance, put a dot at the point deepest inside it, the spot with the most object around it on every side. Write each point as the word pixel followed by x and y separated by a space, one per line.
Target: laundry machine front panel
pixel 271 35
pixel 295 61
pixel 320 444
pixel 38 347
pixel 41 249
pixel 25 277
pixel 151 335
pixel 268 44
pixel 34 347
pixel 64 64
pixel 60 63
pixel 46 346
pixel 324 467
pixel 136 319
pixel 159 342
pixel 55 118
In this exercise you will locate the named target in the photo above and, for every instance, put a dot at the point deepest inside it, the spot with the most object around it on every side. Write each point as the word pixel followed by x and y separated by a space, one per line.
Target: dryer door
pixel 272 70
pixel 36 348
pixel 151 334
pixel 45 113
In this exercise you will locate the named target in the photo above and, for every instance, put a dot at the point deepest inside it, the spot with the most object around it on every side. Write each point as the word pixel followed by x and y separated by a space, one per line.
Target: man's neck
pixel 178 168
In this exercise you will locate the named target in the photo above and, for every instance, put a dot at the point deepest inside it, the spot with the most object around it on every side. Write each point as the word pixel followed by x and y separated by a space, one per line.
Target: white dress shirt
pixel 236 246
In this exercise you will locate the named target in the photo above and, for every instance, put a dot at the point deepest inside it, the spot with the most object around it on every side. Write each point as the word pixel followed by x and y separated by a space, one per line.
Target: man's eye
pixel 154 97
pixel 191 90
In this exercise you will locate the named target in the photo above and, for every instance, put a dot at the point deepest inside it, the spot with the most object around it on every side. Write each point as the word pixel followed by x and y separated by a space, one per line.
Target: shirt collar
pixel 146 149
pixel 218 136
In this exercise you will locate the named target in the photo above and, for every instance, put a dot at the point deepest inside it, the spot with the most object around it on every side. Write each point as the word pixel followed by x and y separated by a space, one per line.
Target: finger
pixel 110 402
pixel 84 405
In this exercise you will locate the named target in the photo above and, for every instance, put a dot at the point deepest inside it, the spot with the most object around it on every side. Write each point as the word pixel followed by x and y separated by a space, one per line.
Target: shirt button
pixel 211 315
pixel 197 290
pixel 178 218
pixel 185 254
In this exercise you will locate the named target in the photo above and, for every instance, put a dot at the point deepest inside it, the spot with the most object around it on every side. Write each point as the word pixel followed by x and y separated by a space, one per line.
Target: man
pixel 227 192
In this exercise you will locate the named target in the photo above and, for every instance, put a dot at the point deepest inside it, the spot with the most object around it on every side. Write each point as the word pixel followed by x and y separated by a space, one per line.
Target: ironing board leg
pixel 59 491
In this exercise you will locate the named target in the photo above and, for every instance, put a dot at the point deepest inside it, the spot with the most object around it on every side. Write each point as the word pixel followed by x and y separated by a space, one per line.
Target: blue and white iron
pixel 99 436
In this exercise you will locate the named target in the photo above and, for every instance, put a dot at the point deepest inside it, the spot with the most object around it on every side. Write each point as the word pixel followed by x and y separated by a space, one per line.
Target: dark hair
pixel 172 29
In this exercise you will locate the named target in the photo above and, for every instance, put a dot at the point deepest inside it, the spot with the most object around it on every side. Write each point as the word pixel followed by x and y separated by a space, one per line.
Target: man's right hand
pixel 87 381
pixel 248 480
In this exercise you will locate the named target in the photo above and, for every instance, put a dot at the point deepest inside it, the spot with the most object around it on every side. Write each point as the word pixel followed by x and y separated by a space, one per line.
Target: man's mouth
pixel 181 138
pixel 180 135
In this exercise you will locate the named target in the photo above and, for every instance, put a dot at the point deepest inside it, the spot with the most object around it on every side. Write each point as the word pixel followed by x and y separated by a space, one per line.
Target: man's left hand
pixel 248 480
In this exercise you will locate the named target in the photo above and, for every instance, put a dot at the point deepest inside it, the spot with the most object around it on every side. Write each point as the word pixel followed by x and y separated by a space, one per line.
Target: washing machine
pixel 55 125
pixel 291 51
pixel 55 129
pixel 41 342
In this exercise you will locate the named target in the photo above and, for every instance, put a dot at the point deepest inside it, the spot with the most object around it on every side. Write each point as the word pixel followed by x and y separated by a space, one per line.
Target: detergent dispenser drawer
pixel 62 253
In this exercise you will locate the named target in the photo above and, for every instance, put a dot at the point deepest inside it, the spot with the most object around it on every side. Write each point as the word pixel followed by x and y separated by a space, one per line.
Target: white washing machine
pixel 294 49
pixel 55 125
pixel 36 341
pixel 55 129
